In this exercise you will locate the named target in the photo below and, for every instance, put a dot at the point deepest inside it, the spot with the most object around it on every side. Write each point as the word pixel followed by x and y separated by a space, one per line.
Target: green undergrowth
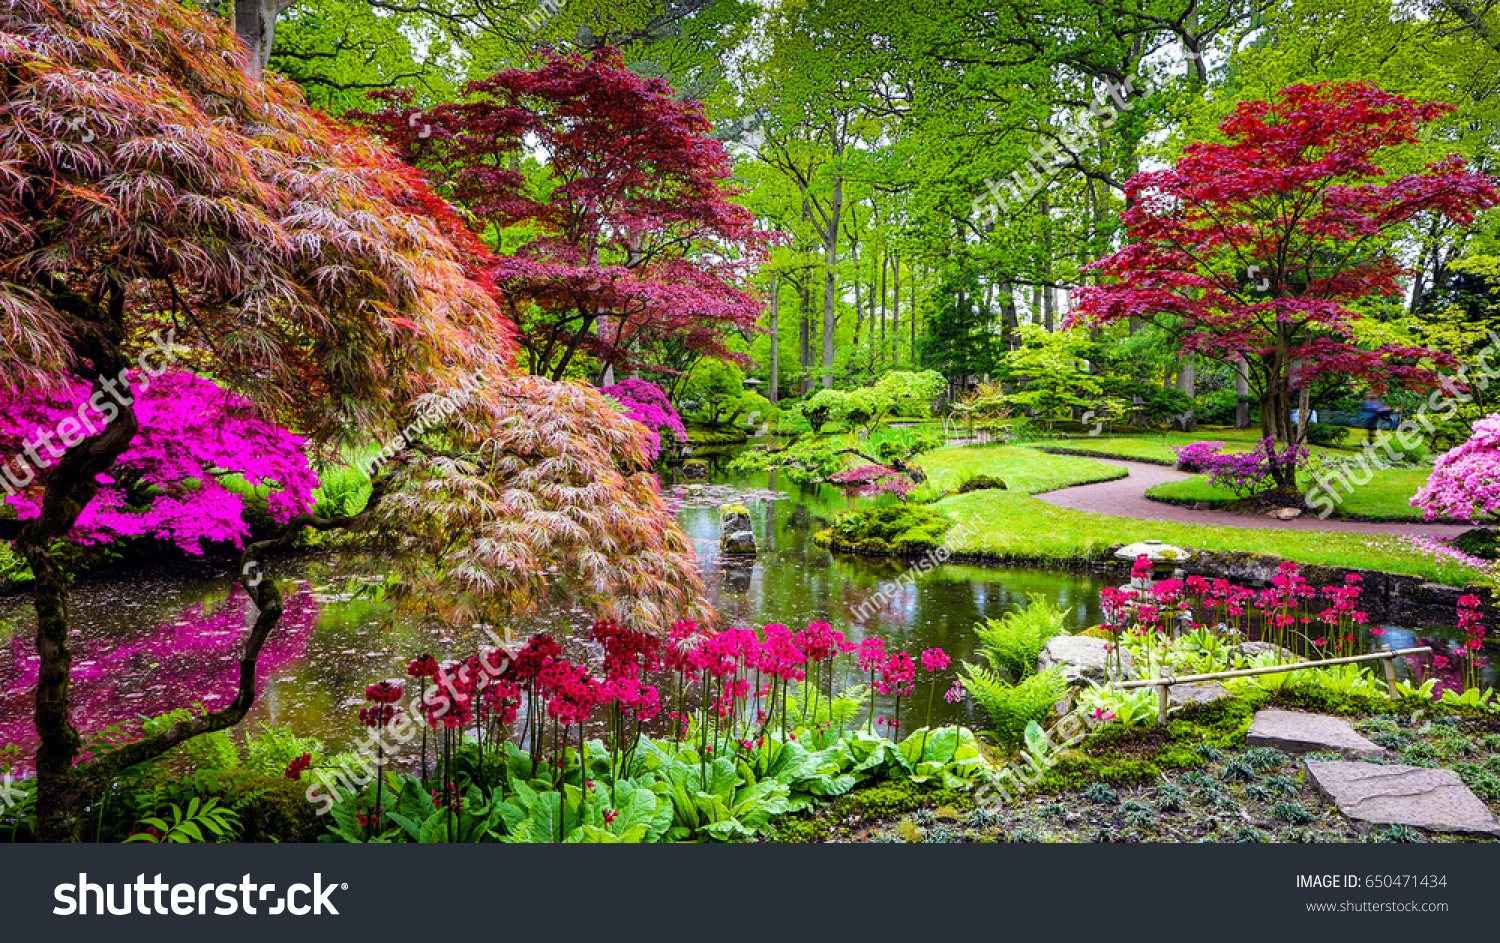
pixel 901 529
pixel 849 813
pixel 1194 735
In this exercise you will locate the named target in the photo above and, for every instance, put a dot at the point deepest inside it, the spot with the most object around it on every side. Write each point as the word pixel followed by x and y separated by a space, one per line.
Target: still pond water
pixel 150 641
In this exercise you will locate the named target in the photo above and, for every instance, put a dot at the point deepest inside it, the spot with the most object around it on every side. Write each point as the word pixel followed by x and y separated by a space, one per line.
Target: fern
pixel 846 705
pixel 199 822
pixel 1013 706
pixel 272 748
pixel 1012 643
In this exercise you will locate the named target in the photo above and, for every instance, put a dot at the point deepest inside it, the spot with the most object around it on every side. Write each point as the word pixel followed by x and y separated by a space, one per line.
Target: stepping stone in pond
pixel 1295 732
pixel 1435 800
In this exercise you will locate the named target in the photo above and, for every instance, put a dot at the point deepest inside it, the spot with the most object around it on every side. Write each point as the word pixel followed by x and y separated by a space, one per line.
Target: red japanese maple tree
pixel 1254 248
pixel 621 244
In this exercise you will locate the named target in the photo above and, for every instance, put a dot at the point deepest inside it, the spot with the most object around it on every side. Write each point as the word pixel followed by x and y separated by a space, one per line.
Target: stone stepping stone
pixel 1294 732
pixel 1432 799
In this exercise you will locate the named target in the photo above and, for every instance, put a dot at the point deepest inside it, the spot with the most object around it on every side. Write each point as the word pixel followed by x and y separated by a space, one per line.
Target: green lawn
pixel 1386 497
pixel 1013 524
pixel 1023 469
pixel 1157 446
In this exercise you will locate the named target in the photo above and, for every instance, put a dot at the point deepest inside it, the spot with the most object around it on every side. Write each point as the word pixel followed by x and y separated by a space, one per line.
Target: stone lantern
pixel 1163 556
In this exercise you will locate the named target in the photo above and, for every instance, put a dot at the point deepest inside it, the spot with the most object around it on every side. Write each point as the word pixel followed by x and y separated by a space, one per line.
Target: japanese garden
pixel 815 421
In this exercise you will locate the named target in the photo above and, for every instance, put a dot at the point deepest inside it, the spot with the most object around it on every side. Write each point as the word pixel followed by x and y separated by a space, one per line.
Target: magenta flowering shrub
pixel 167 484
pixel 1244 473
pixel 1195 457
pixel 1465 482
pixel 645 403
pixel 870 480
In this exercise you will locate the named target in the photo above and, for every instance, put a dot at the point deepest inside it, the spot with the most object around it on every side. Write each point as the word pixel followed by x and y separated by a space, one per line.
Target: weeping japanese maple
pixel 626 247
pixel 149 183
pixel 1251 251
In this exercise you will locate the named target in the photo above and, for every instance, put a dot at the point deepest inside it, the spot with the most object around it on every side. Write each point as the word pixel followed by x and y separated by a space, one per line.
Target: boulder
pixel 695 468
pixel 1198 692
pixel 1255 649
pixel 736 536
pixel 1082 659
pixel 1296 732
pixel 1284 514
pixel 1432 799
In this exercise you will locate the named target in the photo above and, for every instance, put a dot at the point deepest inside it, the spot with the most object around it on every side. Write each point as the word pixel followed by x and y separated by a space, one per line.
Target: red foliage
pixel 1258 245
pixel 629 248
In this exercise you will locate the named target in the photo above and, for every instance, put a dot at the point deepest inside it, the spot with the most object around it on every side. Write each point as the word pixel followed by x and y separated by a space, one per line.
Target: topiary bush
pixel 1479 542
pixel 273 808
pixel 982 483
pixel 1325 435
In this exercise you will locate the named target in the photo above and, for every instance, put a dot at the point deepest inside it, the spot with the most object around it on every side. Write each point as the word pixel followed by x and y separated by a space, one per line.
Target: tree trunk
pixel 896 313
pixel 1187 382
pixel 805 295
pixel 1008 318
pixel 775 338
pixel 1241 391
pixel 255 24
pixel 830 280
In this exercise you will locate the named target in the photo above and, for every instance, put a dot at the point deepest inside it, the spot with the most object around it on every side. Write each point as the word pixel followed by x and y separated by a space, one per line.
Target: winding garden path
pixel 1126 497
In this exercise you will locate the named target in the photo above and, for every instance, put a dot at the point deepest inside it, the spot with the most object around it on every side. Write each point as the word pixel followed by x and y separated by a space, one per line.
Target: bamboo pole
pixel 1272 669
pixel 1390 671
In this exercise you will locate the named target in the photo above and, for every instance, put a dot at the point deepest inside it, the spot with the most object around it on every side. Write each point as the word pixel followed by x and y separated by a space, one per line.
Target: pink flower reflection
pixel 196 657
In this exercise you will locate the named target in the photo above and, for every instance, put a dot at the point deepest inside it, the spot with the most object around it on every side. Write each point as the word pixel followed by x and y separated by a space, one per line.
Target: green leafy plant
pixel 199 822
pixel 1012 643
pixel 1012 706
pixel 1133 708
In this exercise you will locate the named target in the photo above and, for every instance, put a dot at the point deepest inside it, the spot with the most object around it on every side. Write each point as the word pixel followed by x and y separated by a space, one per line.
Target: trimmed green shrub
pixel 1325 435
pixel 1479 542
pixel 898 528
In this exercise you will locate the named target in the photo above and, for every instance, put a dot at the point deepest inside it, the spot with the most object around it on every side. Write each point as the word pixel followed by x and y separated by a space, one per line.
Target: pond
pixel 149 641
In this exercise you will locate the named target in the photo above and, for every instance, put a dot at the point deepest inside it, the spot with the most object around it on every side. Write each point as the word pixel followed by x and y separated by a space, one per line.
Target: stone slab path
pixel 1432 799
pixel 1126 497
pixel 1295 732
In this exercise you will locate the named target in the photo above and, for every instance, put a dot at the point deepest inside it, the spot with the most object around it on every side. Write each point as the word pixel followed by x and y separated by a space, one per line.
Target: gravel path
pixel 1126 497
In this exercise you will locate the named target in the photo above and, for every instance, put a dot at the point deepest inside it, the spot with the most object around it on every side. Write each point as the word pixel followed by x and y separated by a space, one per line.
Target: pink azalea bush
pixel 645 403
pixel 167 485
pixel 1465 482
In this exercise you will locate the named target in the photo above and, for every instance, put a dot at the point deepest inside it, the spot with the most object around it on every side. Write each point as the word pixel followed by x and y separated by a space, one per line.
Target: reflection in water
pixel 147 644
pixel 193 657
